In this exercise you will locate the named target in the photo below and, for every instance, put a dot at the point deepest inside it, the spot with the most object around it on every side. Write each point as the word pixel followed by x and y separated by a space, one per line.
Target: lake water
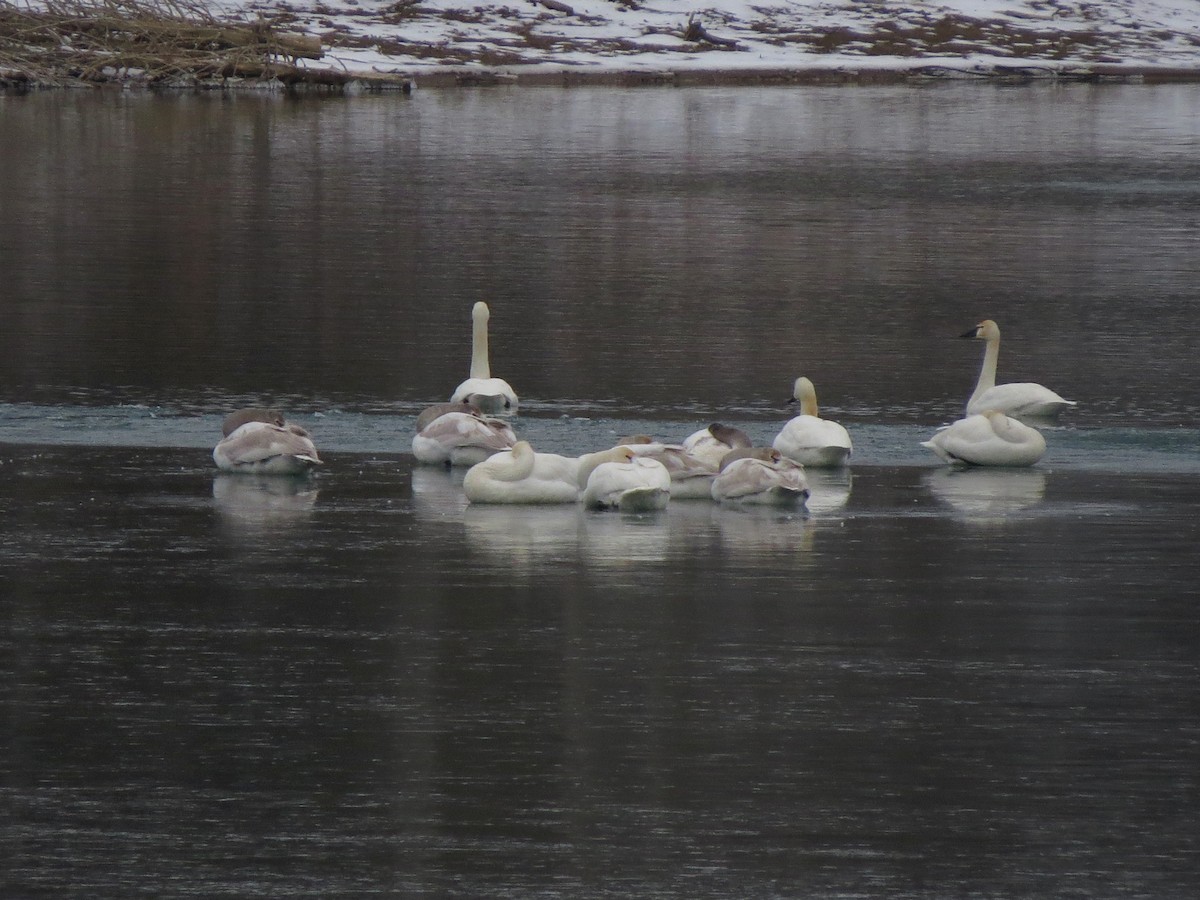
pixel 929 684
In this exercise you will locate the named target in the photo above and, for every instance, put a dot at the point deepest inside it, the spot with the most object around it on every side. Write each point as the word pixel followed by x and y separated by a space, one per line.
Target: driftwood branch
pixel 696 33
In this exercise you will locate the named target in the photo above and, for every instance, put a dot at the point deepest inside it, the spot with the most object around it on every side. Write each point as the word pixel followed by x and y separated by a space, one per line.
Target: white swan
pixel 629 482
pixel 988 439
pixel 760 475
pixel 809 439
pixel 712 443
pixel 691 477
pixel 492 395
pixel 521 475
pixel 265 448
pixel 461 439
pixel 1022 399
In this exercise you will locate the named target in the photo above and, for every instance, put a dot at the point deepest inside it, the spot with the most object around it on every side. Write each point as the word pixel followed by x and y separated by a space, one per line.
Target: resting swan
pixel 691 477
pixel 712 443
pixel 521 475
pixel 988 439
pixel 492 395
pixel 809 439
pixel 1022 399
pixel 460 439
pixel 260 441
pixel 627 482
pixel 759 475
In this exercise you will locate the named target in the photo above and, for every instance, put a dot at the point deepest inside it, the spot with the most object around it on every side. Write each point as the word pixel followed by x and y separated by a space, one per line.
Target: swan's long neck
pixel 987 372
pixel 479 343
pixel 589 461
pixel 516 465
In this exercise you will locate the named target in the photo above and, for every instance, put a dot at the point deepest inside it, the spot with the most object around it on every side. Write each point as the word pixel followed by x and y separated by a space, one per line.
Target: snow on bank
pixel 421 37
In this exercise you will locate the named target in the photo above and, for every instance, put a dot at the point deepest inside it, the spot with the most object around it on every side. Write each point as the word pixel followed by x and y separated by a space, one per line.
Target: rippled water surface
pixel 929 683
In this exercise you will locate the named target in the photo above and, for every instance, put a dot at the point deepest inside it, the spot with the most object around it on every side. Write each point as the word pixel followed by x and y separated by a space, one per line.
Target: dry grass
pixel 151 42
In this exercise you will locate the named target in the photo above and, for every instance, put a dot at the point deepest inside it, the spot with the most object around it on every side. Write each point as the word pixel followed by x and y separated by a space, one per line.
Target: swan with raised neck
pixel 1020 399
pixel 808 439
pixel 492 395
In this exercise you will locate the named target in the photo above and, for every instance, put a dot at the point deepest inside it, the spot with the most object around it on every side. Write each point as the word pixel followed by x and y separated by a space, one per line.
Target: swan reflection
pixel 515 534
pixel 437 492
pixel 987 493
pixel 263 501
pixel 828 489
pixel 763 530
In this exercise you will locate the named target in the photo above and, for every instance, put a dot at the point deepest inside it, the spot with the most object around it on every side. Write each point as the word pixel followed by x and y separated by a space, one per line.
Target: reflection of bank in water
pixel 264 500
pixel 987 493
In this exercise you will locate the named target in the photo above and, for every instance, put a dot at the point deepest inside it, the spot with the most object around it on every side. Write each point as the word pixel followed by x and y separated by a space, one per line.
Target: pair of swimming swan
pixel 610 479
pixel 261 441
pixel 491 395
pixel 993 432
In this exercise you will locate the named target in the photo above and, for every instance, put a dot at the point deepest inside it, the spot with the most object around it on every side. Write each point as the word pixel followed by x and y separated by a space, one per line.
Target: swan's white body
pixel 1020 399
pixel 264 448
pixel 461 439
pixel 810 440
pixel 522 475
pixel 691 477
pixel 492 395
pixel 760 476
pixel 712 443
pixel 515 476
pixel 634 484
pixel 988 439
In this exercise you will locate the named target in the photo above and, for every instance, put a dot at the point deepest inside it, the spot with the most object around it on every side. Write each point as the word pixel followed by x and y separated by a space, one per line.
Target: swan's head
pixel 987 330
pixel 522 449
pixel 805 394
pixel 480 312
pixel 623 455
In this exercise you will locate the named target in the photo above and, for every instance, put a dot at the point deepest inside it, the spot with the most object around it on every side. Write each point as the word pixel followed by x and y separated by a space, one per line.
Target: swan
pixel 712 443
pixel 461 439
pixel 265 448
pixel 429 413
pixel 522 475
pixel 510 477
pixel 808 439
pixel 760 475
pixel 988 439
pixel 691 477
pixel 627 482
pixel 240 417
pixel 1022 399
pixel 492 395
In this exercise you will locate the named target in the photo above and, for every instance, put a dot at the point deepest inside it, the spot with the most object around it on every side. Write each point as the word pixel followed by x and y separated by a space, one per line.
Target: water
pixel 930 684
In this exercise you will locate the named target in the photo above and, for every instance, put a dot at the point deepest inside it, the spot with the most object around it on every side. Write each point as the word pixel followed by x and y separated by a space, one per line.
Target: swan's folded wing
pixel 465 430
pixel 746 477
pixel 247 446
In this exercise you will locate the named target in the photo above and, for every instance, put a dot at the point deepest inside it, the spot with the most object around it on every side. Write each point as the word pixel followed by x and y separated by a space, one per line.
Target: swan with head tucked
pixel 988 439
pixel 492 395
pixel 460 438
pixel 712 443
pixel 522 475
pixel 691 477
pixel 1021 399
pixel 261 441
pixel 759 475
pixel 808 439
pixel 625 481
